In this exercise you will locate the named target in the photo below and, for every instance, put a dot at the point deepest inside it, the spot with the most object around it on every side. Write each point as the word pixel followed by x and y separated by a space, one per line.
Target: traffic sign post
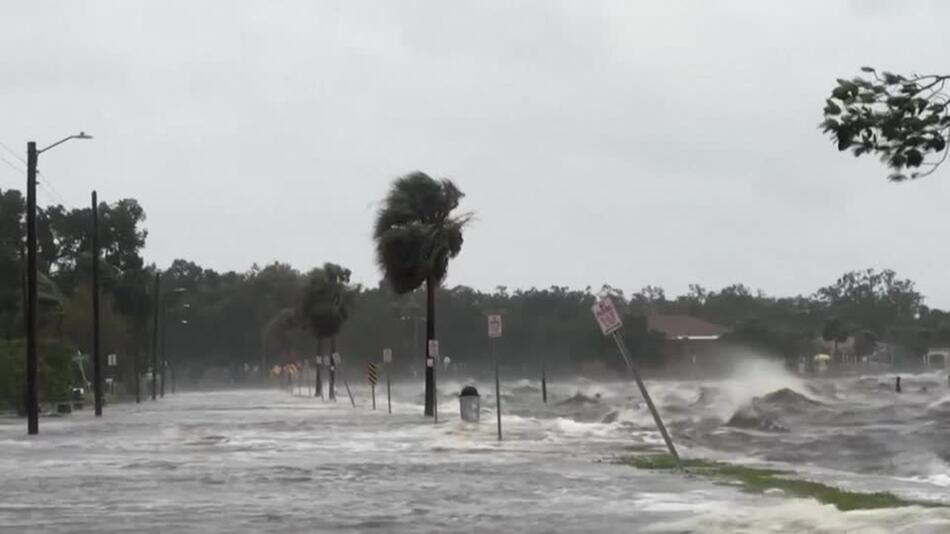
pixel 494 332
pixel 388 359
pixel 610 324
pixel 372 375
pixel 494 326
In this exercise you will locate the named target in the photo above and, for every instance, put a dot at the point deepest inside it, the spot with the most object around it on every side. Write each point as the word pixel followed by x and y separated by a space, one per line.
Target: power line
pixel 12 166
pixel 13 152
pixel 47 184
pixel 53 193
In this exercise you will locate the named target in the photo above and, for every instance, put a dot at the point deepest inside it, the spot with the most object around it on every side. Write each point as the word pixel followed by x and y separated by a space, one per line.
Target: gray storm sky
pixel 632 143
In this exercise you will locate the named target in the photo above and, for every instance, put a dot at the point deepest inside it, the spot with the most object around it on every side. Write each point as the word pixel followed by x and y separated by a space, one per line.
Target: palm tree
pixel 416 235
pixel 325 306
pixel 836 331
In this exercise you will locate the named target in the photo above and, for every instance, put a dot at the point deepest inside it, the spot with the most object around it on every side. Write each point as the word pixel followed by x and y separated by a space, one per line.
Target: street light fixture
pixel 32 402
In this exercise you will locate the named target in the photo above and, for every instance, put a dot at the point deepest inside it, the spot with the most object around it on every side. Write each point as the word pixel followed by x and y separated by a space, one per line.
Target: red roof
pixel 684 327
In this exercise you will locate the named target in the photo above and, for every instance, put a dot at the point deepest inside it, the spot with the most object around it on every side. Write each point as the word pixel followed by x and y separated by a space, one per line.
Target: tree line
pixel 243 323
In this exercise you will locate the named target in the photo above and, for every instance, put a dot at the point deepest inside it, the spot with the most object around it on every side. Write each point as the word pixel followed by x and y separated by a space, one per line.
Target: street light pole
pixel 96 356
pixel 164 329
pixel 155 336
pixel 32 402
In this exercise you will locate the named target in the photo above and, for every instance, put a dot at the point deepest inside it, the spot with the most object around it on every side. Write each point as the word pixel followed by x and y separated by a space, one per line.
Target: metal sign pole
pixel 348 392
pixel 388 359
pixel 435 391
pixel 373 388
pixel 497 387
pixel 610 324
pixel 646 397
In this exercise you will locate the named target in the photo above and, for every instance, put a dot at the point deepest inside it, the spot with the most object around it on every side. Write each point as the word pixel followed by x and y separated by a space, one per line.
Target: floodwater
pixel 273 461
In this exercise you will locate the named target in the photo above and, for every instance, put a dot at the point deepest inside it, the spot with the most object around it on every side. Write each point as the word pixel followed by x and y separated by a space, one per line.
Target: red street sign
pixel 494 326
pixel 607 316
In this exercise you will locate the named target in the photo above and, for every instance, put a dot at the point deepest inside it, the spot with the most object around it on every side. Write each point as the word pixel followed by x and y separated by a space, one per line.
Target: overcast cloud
pixel 632 143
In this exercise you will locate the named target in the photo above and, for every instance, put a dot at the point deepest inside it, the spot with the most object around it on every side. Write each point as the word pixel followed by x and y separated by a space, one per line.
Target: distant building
pixel 677 327
pixel 689 340
pixel 937 358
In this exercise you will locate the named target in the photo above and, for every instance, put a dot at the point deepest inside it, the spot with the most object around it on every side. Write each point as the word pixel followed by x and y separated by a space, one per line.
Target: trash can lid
pixel 469 391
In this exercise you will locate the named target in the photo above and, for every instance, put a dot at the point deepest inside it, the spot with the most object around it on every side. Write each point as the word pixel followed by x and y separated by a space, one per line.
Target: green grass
pixel 760 480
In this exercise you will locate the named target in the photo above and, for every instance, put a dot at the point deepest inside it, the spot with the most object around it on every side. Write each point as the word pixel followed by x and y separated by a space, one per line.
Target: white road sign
pixel 434 348
pixel 494 326
pixel 387 355
pixel 112 360
pixel 607 316
pixel 337 358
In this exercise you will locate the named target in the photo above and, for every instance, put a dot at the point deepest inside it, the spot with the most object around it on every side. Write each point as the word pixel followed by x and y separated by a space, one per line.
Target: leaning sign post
pixel 494 332
pixel 337 360
pixel 388 359
pixel 610 325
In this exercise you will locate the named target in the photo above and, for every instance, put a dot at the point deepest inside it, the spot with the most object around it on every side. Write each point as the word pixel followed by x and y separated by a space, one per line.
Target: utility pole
pixel 158 279
pixel 96 356
pixel 32 403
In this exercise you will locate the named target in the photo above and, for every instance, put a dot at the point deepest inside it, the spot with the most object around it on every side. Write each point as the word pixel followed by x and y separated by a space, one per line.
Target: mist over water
pixel 270 461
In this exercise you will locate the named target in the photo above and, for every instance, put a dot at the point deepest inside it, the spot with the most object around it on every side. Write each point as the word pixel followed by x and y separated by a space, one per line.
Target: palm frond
pixel 415 231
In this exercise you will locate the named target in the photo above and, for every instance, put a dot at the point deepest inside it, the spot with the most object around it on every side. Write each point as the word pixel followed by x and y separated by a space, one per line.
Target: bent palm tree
pixel 325 305
pixel 416 235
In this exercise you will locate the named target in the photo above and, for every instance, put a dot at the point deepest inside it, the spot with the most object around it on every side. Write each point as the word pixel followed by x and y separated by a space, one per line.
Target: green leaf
pixel 832 108
pixel 840 92
pixel 867 69
pixel 938 143
pixel 829 125
pixel 914 158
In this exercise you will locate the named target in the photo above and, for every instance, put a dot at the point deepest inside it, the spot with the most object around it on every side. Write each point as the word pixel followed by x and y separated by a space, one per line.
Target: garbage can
pixel 469 404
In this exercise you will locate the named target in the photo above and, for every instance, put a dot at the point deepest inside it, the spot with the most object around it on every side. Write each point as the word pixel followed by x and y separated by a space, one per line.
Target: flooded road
pixel 270 461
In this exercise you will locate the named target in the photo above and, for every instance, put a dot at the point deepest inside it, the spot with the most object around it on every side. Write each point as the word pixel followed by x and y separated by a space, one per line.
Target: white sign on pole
pixel 387 355
pixel 337 358
pixel 434 348
pixel 112 360
pixel 607 316
pixel 494 326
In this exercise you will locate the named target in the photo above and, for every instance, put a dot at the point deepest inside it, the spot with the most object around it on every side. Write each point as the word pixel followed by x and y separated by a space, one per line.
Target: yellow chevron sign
pixel 372 373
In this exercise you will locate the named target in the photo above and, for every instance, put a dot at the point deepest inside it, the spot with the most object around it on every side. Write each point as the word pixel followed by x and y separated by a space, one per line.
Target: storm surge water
pixel 270 461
